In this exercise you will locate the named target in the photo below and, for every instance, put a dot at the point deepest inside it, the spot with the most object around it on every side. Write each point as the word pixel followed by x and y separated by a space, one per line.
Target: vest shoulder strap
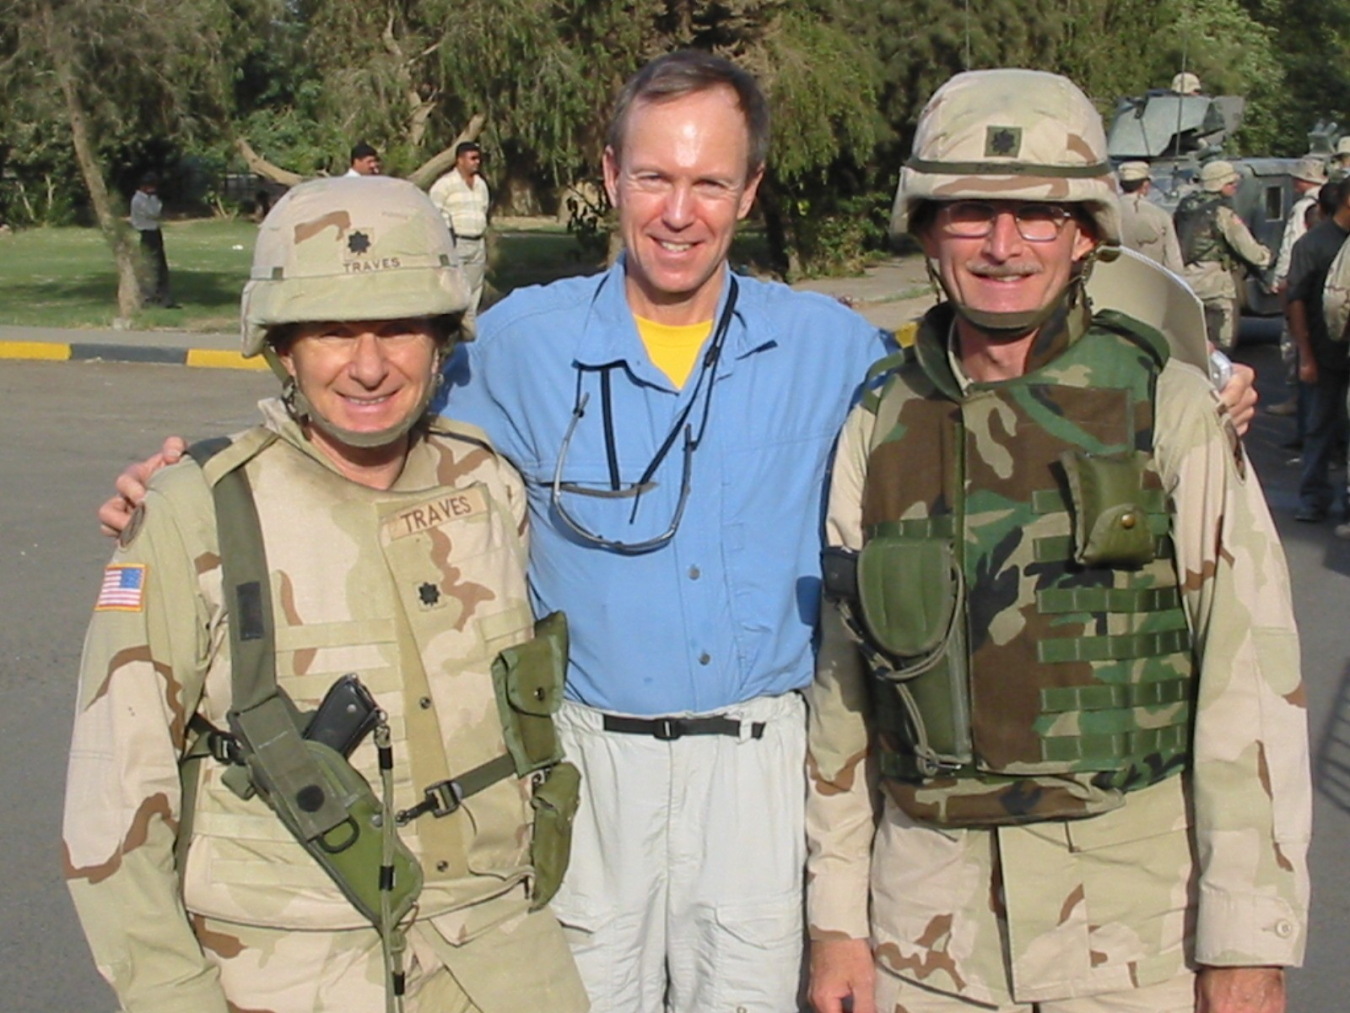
pixel 874 387
pixel 1150 339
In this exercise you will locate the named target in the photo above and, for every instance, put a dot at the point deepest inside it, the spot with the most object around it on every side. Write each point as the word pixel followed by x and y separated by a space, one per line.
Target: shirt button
pixel 424 703
pixel 704 658
pixel 442 866
pixel 1284 929
pixel 694 573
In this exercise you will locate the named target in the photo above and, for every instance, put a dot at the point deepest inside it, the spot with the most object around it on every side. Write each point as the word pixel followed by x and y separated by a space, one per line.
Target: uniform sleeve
pixel 1293 231
pixel 1239 237
pixel 1252 792
pixel 839 805
pixel 140 680
pixel 1336 295
pixel 1172 248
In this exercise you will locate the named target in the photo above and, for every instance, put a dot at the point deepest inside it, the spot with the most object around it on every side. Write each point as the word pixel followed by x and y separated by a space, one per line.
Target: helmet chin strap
pixel 302 411
pixel 1016 325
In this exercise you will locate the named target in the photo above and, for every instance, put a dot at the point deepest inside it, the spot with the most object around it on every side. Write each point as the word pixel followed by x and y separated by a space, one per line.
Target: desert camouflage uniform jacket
pixel 415 589
pixel 1212 280
pixel 1208 867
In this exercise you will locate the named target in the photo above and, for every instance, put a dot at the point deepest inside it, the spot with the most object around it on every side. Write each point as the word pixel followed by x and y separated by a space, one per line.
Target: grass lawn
pixel 65 277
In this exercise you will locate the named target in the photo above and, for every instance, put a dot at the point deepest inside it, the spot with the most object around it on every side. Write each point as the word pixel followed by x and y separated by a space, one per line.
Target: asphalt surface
pixel 71 426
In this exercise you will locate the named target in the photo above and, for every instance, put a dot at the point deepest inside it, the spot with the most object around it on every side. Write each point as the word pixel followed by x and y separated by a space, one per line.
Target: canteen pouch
pixel 1110 522
pixel 907 590
pixel 555 802
pixel 326 805
pixel 528 679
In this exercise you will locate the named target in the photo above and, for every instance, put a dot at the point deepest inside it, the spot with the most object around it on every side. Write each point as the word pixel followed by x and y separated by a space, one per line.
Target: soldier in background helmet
pixel 395 551
pixel 1214 242
pixel 1145 227
pixel 1061 638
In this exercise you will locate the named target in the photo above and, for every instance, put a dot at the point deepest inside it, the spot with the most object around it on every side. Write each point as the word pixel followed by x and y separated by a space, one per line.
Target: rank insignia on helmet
pixel 358 242
pixel 429 594
pixel 1004 142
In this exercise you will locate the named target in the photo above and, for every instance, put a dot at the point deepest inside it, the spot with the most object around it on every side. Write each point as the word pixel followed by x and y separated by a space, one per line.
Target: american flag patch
pixel 123 589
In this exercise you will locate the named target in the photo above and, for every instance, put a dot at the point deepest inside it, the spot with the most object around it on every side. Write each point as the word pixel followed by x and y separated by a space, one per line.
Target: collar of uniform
pixel 610 335
pixel 937 335
pixel 414 476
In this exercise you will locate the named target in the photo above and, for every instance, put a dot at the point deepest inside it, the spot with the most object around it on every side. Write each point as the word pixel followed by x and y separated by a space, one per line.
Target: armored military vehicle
pixel 1176 134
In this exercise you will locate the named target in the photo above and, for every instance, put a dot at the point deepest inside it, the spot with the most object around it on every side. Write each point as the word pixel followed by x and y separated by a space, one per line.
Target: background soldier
pixel 393 550
pixel 1214 241
pixel 1084 706
pixel 1145 227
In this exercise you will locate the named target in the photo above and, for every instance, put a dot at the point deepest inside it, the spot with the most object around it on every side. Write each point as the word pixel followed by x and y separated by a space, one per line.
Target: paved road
pixel 70 426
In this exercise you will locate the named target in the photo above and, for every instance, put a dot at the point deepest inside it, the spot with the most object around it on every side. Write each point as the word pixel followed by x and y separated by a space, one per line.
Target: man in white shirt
pixel 365 161
pixel 462 197
pixel 146 211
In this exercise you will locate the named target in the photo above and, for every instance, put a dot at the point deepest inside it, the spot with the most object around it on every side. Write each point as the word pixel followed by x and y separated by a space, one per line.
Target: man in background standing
pixel 462 197
pixel 365 161
pixel 1145 227
pixel 1309 175
pixel 146 211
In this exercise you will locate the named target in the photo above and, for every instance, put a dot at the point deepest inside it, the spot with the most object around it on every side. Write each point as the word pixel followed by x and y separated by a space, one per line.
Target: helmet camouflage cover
pixel 1010 135
pixel 350 248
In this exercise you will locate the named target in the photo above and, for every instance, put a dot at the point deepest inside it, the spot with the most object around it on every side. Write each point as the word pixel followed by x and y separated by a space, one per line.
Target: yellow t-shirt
pixel 674 349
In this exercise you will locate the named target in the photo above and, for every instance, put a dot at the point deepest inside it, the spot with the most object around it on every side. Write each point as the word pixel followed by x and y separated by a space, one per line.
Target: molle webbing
pixel 1078 669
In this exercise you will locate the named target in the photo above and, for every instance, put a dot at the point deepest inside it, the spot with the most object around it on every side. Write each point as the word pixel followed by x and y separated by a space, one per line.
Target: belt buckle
pixel 667 729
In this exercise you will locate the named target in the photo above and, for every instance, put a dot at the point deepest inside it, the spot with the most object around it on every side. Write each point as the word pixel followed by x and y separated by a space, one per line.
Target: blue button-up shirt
pixel 726 610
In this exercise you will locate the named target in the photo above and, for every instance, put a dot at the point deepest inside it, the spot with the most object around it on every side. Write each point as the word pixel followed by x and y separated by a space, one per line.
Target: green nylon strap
pixel 1108 749
pixel 1093 171
pixel 1078 699
pixel 942 526
pixel 1052 501
pixel 485 775
pixel 1107 599
pixel 1113 648
pixel 1058 548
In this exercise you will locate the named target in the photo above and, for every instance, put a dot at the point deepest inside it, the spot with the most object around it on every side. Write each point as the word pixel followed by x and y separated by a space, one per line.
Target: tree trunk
pixel 784 259
pixel 439 164
pixel 262 167
pixel 114 231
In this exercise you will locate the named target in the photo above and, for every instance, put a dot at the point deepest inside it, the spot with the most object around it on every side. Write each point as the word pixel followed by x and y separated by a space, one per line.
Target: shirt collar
pixel 610 333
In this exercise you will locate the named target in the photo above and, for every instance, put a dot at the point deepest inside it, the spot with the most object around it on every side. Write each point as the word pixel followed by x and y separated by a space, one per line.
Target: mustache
pixel 1022 270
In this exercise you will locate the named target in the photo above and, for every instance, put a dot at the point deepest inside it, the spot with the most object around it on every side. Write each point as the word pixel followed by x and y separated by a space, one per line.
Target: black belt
pixel 670 729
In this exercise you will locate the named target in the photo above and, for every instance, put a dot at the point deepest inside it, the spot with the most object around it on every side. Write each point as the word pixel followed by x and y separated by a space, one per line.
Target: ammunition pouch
pixel 326 805
pixel 528 680
pixel 556 798
pixel 1110 518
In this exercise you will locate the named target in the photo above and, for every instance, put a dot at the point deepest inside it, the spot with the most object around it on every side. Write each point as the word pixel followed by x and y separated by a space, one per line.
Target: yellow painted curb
pixel 34 350
pixel 213 358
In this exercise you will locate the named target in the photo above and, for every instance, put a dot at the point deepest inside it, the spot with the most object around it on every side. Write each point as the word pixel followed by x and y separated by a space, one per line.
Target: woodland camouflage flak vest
pixel 1017 595
pixel 1197 221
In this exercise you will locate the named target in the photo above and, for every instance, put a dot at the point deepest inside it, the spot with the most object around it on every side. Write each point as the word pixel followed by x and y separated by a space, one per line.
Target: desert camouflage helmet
pixel 1216 175
pixel 1020 135
pixel 1186 83
pixel 350 248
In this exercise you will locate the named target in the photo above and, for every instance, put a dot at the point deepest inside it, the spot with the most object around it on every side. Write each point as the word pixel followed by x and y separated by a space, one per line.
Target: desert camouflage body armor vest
pixel 1197 222
pixel 1017 594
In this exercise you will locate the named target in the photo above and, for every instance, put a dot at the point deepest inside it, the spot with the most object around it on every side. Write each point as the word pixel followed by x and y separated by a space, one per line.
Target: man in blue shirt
pixel 678 526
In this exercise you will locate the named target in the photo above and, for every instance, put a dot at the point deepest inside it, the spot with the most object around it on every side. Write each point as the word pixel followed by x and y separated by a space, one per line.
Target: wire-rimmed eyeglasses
pixel 634 490
pixel 974 219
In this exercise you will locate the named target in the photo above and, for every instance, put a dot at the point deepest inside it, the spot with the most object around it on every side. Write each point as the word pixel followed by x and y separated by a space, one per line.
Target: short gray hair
pixel 683 73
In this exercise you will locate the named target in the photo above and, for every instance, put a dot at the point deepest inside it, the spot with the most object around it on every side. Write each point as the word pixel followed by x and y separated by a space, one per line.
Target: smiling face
pixel 1001 272
pixel 362 377
pixel 680 187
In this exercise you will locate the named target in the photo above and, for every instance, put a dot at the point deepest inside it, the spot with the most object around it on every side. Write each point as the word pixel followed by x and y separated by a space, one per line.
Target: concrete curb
pixel 83 351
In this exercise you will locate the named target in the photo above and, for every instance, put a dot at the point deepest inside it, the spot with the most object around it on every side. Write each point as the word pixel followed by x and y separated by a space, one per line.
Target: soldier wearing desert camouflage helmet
pixel 219 857
pixel 1060 638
